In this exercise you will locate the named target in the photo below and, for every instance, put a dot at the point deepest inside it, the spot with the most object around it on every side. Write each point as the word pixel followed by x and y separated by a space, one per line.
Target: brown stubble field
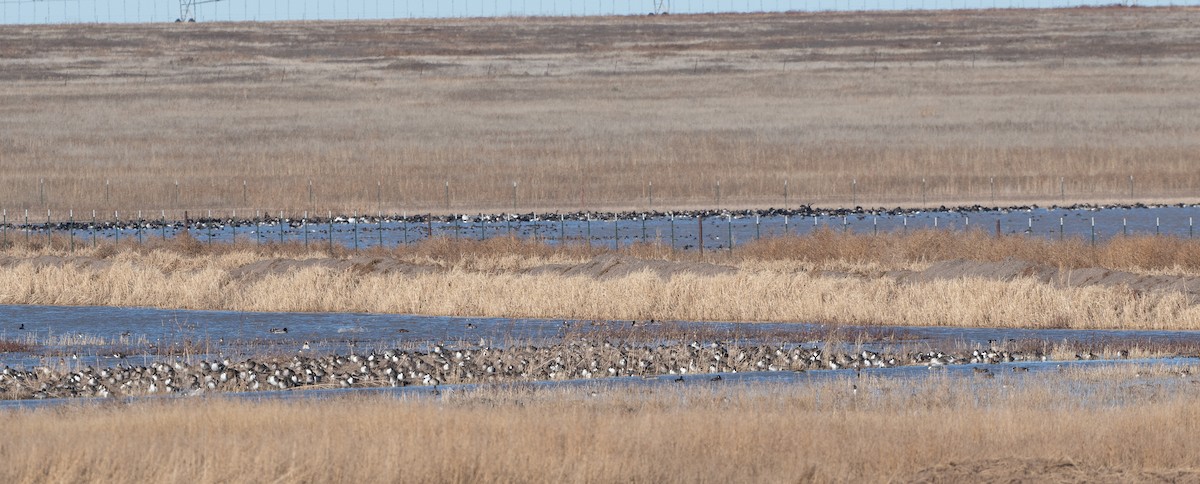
pixel 1132 424
pixel 585 113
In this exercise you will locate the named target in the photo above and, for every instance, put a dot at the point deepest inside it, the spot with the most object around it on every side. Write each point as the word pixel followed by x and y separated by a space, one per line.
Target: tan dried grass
pixel 820 432
pixel 917 107
pixel 768 281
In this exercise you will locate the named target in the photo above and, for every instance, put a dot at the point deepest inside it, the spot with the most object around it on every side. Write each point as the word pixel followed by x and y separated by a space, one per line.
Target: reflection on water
pixel 714 229
pixel 94 335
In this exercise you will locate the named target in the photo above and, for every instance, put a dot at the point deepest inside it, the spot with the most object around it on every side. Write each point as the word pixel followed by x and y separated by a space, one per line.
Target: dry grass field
pixel 588 112
pixel 561 114
pixel 1122 424
pixel 921 278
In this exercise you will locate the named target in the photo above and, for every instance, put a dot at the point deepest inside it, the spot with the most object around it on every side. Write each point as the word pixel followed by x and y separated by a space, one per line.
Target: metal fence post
pixel 729 230
pixel 616 234
pixel 672 231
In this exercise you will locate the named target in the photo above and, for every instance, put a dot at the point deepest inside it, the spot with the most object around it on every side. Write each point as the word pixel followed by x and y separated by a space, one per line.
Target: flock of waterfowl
pixel 576 359
pixel 293 221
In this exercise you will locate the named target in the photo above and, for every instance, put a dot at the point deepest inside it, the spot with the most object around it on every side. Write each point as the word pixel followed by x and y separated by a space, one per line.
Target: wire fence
pixel 695 230
pixel 69 194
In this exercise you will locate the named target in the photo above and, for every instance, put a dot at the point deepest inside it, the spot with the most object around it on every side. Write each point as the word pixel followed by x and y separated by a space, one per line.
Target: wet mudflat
pixel 69 353
pixel 1159 374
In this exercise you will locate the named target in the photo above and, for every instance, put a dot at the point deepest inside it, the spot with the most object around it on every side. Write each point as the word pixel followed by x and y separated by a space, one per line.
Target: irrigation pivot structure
pixel 187 9
pixel 662 7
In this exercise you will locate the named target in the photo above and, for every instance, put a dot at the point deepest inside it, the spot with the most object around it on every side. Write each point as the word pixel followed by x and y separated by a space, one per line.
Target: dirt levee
pixel 612 266
pixel 360 265
pixel 1063 277
pixel 1043 470
pixel 90 263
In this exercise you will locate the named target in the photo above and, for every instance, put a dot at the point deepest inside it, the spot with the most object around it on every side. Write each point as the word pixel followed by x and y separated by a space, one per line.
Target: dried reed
pixel 513 278
pixel 1107 421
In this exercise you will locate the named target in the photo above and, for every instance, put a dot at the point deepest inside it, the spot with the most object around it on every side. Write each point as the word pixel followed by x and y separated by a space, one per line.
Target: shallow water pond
pixel 93 335
pixel 714 230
